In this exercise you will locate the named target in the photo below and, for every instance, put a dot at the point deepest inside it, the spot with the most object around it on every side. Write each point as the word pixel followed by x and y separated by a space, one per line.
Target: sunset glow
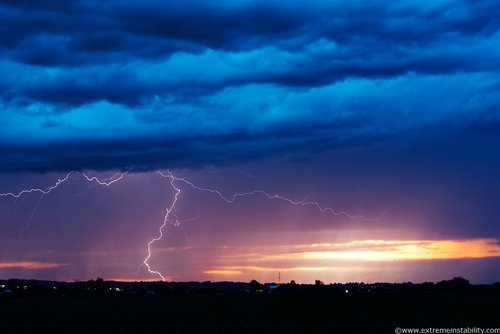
pixel 349 257
pixel 407 250
pixel 31 265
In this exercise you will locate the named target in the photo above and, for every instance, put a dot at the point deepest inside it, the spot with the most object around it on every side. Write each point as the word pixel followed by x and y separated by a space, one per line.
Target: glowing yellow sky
pixel 405 250
pixel 346 257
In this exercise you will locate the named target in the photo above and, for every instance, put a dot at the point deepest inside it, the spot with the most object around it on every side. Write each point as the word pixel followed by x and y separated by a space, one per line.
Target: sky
pixel 362 138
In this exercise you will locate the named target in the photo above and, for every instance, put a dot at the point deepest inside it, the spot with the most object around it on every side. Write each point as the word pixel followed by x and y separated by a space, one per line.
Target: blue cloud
pixel 148 84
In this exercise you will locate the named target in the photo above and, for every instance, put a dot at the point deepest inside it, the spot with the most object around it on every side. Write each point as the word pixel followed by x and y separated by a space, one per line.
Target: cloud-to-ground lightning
pixel 166 219
pixel 170 211
pixel 231 199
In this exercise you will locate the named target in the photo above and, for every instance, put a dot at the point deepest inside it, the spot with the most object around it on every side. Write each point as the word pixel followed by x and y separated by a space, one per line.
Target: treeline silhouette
pixel 101 287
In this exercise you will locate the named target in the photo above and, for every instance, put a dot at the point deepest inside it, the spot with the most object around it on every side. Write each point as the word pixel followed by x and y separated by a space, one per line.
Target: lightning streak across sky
pixel 37 190
pixel 105 182
pixel 170 216
pixel 166 219
pixel 233 197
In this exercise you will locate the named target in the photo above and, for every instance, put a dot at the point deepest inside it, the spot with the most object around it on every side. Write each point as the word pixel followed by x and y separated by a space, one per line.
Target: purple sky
pixel 388 110
pixel 82 230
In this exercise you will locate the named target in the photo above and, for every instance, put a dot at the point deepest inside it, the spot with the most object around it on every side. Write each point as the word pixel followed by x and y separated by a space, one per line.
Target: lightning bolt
pixel 38 190
pixel 170 216
pixel 28 224
pixel 166 219
pixel 267 195
pixel 105 182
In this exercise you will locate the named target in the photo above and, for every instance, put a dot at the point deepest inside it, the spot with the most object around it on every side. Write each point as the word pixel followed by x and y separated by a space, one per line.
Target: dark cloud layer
pixel 139 85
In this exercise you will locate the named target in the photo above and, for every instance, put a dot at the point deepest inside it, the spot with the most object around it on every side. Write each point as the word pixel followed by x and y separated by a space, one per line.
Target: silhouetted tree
pixel 254 286
pixel 318 287
pixel 99 286
pixel 457 283
pixel 290 288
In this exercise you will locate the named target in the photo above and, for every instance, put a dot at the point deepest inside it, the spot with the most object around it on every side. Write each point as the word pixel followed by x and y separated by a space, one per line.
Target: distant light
pixel 346 291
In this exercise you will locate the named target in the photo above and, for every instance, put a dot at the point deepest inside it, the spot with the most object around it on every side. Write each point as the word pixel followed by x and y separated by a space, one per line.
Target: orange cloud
pixel 31 265
pixel 380 250
pixel 344 259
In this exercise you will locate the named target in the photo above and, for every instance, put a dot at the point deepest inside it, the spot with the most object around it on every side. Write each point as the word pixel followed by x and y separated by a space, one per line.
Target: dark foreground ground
pixel 244 313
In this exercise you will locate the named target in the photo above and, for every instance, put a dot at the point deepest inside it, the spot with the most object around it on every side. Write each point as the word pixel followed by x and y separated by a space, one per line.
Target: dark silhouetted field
pixel 246 313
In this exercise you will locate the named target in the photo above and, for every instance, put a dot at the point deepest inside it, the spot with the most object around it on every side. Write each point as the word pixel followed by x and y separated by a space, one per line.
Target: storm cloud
pixel 142 85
